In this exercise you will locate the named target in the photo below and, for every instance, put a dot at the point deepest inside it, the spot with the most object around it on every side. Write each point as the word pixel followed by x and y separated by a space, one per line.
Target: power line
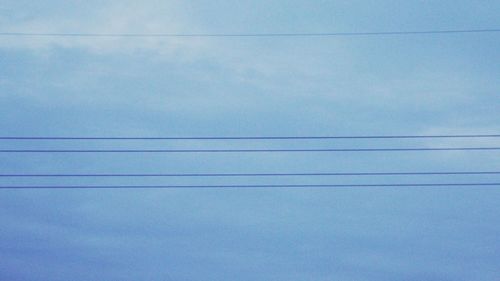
pixel 248 186
pixel 245 150
pixel 254 137
pixel 255 174
pixel 302 34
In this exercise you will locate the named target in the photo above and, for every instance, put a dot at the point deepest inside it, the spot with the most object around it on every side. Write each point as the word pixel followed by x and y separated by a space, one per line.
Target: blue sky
pixel 445 84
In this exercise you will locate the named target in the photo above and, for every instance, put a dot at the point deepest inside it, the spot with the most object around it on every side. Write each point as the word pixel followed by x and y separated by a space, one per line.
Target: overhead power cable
pixel 245 150
pixel 253 137
pixel 249 186
pixel 255 174
pixel 294 34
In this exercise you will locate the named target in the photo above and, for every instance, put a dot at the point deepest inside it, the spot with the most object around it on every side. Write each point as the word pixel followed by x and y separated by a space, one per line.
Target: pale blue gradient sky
pixel 249 86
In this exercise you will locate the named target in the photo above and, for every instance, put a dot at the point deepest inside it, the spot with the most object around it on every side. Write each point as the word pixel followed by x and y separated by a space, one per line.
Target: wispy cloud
pixel 123 17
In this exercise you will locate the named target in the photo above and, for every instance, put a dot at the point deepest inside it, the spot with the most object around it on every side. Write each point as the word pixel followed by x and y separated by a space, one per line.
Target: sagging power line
pixel 255 174
pixel 476 184
pixel 282 35
pixel 251 137
pixel 248 150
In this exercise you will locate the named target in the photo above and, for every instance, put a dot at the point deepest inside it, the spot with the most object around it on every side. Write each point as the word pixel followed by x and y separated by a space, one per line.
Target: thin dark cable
pixel 254 174
pixel 244 150
pixel 248 186
pixel 305 34
pixel 255 137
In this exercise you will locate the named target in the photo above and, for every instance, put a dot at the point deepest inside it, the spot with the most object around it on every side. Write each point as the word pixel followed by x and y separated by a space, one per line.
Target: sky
pixel 377 85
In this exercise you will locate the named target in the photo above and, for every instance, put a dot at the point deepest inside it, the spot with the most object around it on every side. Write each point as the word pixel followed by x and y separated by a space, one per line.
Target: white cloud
pixel 249 59
pixel 123 17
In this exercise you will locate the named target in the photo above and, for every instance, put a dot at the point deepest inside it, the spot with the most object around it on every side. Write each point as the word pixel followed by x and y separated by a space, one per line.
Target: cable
pixel 254 174
pixel 305 34
pixel 255 137
pixel 243 150
pixel 247 186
